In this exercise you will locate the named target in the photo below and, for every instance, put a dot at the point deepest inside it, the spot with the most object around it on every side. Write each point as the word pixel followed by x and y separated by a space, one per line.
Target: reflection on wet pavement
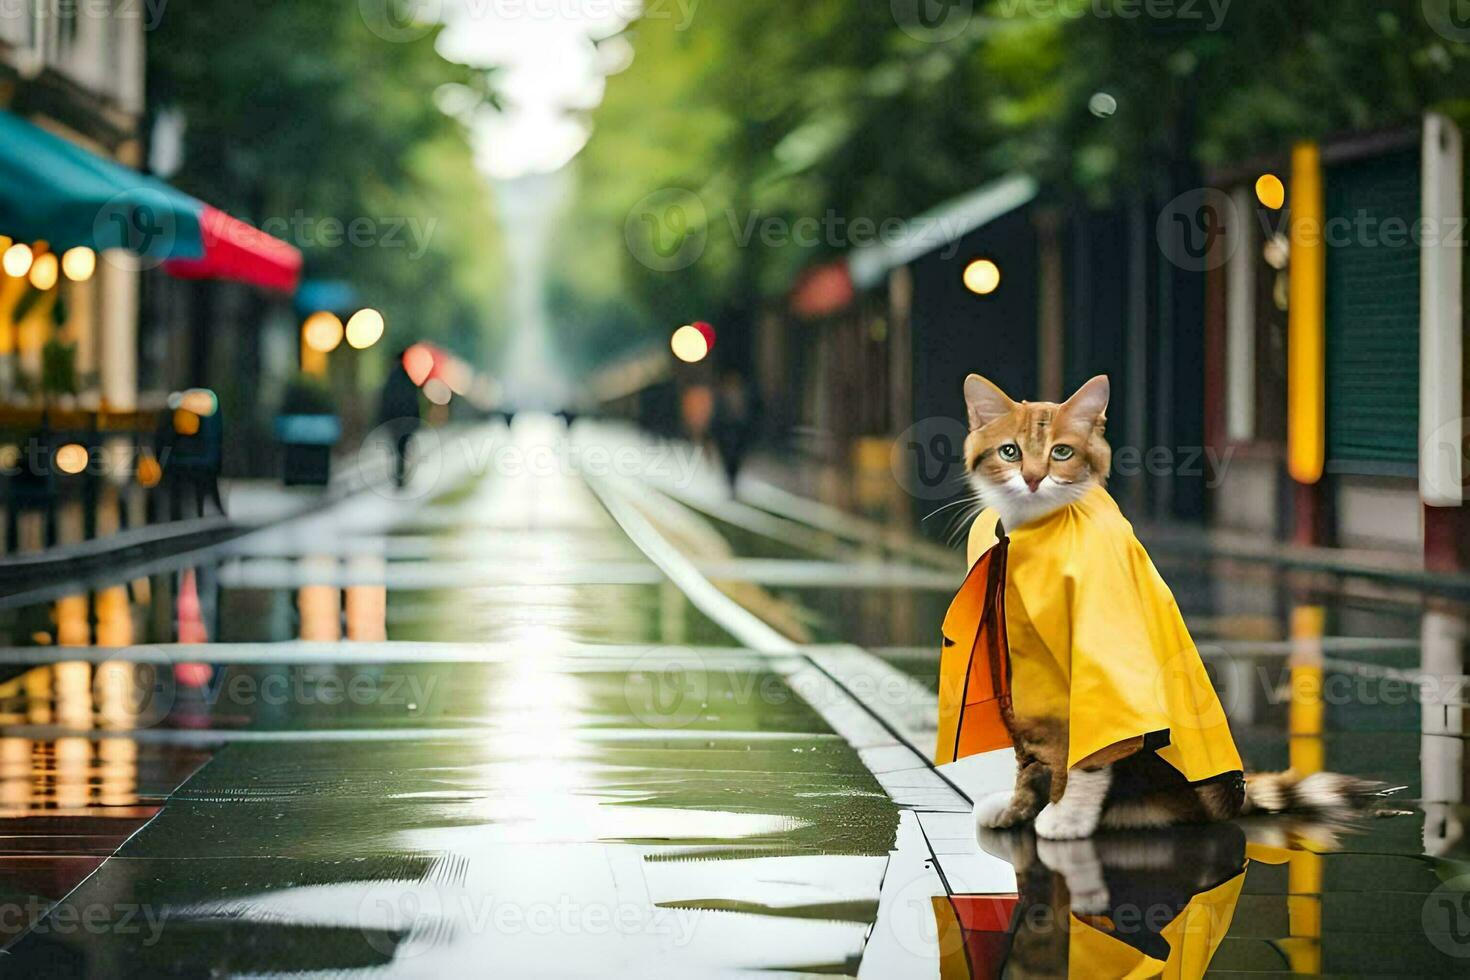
pixel 484 733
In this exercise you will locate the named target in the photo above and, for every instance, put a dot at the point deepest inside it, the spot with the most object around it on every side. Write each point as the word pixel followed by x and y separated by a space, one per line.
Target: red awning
pixel 236 251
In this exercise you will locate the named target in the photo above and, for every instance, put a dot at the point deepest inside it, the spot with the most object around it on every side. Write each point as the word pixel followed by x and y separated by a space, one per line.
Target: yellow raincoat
pixel 1068 619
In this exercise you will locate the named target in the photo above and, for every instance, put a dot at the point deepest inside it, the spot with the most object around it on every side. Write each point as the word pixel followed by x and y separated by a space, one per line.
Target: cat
pixel 1028 461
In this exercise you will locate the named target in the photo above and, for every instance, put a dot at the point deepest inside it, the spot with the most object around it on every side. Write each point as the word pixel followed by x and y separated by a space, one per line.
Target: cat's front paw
pixel 998 811
pixel 1057 821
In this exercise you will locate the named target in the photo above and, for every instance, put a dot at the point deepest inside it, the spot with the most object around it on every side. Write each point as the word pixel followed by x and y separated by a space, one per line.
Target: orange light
pixel 982 277
pixel 418 361
pixel 322 332
pixel 186 423
pixel 71 458
pixel 1270 191
pixel 44 271
pixel 150 473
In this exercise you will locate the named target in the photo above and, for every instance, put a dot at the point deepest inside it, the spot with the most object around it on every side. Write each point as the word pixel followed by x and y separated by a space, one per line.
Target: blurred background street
pixel 482 480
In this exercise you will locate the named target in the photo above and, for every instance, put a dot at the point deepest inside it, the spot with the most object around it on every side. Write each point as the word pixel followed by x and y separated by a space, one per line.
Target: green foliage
pixel 770 112
pixel 302 121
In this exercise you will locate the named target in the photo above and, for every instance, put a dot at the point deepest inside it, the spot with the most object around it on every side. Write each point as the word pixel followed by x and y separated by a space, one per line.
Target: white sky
pixel 552 74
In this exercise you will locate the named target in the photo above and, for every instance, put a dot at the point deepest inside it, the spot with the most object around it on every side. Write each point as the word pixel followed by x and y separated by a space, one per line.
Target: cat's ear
pixel 985 402
pixel 1089 404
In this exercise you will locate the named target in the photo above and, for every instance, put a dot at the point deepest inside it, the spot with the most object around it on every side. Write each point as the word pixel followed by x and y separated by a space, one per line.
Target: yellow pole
pixel 1306 717
pixel 1306 341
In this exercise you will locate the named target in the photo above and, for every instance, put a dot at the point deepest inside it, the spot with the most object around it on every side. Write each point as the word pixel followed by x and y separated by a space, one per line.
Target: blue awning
pixel 53 190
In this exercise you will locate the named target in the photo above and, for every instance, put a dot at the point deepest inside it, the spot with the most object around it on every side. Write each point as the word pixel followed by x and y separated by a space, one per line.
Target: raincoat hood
pixel 1067 619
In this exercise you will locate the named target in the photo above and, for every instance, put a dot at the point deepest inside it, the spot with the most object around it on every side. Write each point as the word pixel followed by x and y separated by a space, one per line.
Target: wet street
pixel 562 707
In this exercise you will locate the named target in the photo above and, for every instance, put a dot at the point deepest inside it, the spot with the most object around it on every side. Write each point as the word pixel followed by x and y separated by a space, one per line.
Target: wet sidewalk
pixel 564 708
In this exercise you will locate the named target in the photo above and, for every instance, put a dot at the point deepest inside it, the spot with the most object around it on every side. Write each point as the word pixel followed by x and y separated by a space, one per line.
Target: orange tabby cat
pixel 1028 461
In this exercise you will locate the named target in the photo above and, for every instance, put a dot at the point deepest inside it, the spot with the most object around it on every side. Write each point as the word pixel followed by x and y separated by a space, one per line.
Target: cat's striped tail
pixel 1287 792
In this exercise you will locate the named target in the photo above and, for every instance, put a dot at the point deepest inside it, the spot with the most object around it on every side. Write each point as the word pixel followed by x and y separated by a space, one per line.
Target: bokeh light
pixel 1270 191
pixel 79 263
pixel 707 329
pixel 418 361
pixel 364 329
pixel 982 277
pixel 17 260
pixel 200 401
pixel 45 270
pixel 186 423
pixel 150 473
pixel 1102 105
pixel 322 331
pixel 437 391
pixel 689 345
pixel 71 458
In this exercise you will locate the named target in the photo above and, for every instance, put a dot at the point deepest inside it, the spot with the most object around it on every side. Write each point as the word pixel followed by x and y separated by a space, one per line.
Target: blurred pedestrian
pixel 734 423
pixel 189 443
pixel 398 410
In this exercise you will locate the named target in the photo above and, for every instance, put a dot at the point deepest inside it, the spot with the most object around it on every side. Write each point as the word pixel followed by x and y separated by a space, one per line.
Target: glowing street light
pixel 79 263
pixel 982 277
pixel 71 458
pixel 689 344
pixel 418 362
pixel 44 271
pixel 17 260
pixel 364 328
pixel 322 332
pixel 1270 191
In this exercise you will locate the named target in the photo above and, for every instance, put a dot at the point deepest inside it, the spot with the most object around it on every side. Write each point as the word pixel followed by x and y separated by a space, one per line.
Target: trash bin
pixel 307 441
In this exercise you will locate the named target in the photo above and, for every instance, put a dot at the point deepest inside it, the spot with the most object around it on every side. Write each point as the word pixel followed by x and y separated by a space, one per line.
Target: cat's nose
pixel 1033 484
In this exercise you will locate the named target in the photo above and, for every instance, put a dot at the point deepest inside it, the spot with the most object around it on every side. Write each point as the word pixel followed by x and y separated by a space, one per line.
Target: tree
pixel 302 120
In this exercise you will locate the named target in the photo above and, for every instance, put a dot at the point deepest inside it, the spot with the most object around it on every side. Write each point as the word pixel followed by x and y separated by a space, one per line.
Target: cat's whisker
pixel 953 503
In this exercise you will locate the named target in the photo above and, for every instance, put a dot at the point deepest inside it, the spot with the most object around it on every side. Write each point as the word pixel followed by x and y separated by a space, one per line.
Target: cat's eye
pixel 1010 452
pixel 1062 453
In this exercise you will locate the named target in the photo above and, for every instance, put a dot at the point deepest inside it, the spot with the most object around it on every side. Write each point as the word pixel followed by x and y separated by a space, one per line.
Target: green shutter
pixel 1373 315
